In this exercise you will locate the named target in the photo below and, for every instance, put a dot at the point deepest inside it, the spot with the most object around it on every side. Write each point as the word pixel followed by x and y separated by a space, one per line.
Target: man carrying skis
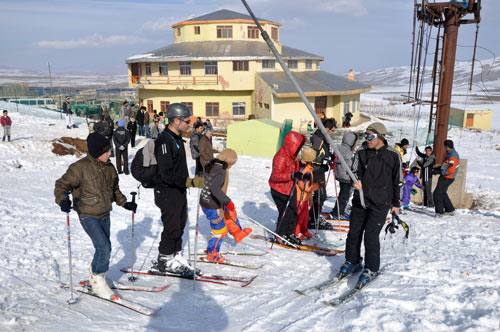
pixel 92 199
pixel 170 192
pixel 378 168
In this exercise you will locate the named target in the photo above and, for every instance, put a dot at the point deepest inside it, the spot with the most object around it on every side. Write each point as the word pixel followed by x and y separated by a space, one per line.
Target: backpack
pixel 145 175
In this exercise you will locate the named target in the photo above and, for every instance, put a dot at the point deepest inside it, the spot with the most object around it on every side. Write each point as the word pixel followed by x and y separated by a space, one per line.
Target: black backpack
pixel 145 175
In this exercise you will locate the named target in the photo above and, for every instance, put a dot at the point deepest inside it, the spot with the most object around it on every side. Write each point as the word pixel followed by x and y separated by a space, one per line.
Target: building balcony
pixel 174 80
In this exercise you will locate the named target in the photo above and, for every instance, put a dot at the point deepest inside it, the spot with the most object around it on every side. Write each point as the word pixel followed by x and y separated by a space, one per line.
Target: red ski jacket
pixel 6 121
pixel 285 163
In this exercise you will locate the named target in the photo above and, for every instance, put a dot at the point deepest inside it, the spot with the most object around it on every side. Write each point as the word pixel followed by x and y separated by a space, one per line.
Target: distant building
pixel 220 67
pixel 472 119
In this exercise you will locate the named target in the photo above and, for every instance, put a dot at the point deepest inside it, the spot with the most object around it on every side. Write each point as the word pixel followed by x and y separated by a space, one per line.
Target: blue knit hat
pixel 121 123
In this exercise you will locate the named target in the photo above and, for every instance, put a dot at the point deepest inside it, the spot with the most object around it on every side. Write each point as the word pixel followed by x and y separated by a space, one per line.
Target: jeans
pixel 148 132
pixel 98 231
pixel 141 130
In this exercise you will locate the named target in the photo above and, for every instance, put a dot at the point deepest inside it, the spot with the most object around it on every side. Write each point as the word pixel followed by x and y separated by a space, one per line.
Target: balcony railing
pixel 175 80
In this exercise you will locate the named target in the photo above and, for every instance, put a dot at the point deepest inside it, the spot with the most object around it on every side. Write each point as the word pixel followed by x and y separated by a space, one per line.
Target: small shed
pixel 259 138
pixel 473 119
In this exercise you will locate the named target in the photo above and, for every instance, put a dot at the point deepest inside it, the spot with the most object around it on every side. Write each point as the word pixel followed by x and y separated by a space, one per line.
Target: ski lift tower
pixel 449 15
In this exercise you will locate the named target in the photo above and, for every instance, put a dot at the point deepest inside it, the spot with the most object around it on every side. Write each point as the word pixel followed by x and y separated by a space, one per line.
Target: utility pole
pixel 450 16
pixel 50 78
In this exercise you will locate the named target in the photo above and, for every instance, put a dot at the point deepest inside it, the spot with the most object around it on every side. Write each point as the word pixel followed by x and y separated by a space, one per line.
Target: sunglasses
pixel 369 136
pixel 187 121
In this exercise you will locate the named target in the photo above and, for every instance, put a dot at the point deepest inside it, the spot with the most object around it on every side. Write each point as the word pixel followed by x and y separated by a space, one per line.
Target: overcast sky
pixel 100 35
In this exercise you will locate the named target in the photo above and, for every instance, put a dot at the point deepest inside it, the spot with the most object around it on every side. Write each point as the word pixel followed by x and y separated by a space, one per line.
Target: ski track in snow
pixel 445 278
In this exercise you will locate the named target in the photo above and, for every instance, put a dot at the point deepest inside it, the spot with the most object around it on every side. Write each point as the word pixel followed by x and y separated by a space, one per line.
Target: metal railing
pixel 175 80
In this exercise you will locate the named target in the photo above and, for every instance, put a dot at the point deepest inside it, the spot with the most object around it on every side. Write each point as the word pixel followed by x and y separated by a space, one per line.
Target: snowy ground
pixel 445 278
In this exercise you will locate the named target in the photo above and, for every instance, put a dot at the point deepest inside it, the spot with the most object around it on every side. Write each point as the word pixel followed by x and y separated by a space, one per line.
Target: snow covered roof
pixel 219 50
pixel 222 15
pixel 312 83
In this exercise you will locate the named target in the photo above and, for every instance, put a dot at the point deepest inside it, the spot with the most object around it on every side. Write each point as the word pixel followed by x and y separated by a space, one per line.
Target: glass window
pixel 185 68
pixel 317 64
pixel 240 65
pixel 140 69
pixel 253 32
pixel 196 30
pixel 178 31
pixel 211 109
pixel 274 33
pixel 309 64
pixel 224 31
pixel 346 106
pixel 293 64
pixel 268 64
pixel 239 109
pixel 164 105
pixel 164 69
pixel 189 105
pixel 211 68
pixel 148 69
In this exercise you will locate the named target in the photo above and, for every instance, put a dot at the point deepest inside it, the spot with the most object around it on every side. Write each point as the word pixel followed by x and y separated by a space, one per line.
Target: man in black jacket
pixel 170 191
pixel 132 128
pixel 121 138
pixel 139 117
pixel 378 168
pixel 426 164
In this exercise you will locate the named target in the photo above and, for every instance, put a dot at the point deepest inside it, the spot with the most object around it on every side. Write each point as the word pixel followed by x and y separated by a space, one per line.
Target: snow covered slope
pixel 445 278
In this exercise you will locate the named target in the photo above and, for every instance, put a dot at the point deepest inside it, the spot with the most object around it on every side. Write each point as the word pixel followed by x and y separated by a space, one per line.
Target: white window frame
pixel 271 64
pixel 211 64
pixel 186 64
pixel 163 65
pixel 147 67
pixel 309 64
pixel 347 104
pixel 239 106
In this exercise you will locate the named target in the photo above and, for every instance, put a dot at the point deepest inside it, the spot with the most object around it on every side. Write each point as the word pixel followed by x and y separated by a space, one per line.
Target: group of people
pixel 92 198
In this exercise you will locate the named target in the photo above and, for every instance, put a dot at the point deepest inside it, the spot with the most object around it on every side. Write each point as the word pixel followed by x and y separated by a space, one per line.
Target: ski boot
pixel 100 286
pixel 348 268
pixel 173 263
pixel 365 278
pixel 215 257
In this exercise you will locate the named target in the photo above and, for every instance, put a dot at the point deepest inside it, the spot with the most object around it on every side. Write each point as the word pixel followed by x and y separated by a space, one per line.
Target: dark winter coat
pixel 132 128
pixel 66 108
pixel 102 128
pixel 206 151
pixel 6 121
pixel 121 137
pixel 171 157
pixel 426 165
pixel 320 164
pixel 139 118
pixel 93 185
pixel 194 144
pixel 381 177
pixel 285 163
pixel 212 196
pixel 345 149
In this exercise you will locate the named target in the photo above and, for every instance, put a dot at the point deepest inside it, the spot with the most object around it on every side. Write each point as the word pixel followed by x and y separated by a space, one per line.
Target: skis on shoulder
pixel 228 263
pixel 322 251
pixel 116 300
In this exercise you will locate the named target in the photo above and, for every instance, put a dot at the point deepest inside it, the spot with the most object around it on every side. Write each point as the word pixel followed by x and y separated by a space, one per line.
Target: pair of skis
pixel 85 288
pixel 322 251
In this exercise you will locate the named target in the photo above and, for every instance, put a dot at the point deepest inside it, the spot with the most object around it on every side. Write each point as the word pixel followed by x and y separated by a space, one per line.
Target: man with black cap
pixel 170 190
pixel 378 169
pixel 93 183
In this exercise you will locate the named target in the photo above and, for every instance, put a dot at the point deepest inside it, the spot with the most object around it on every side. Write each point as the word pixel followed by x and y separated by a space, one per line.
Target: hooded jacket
pixel 345 149
pixel 93 185
pixel 285 163
pixel 449 168
pixel 213 196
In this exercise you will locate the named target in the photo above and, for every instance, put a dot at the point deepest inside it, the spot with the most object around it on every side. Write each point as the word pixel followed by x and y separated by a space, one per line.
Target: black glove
pixel 307 176
pixel 130 206
pixel 65 205
pixel 297 176
pixel 436 170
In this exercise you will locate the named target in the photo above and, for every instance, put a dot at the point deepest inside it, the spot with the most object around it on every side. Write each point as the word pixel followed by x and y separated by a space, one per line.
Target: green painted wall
pixel 259 138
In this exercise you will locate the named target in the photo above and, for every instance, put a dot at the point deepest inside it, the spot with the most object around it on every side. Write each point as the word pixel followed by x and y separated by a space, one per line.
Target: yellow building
pixel 472 119
pixel 220 67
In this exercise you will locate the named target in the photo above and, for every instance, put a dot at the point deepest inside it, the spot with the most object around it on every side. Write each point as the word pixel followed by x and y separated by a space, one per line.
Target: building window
pixel 211 109
pixel 320 105
pixel 196 30
pixel 239 109
pixel 317 64
pixel 150 106
pixel 293 64
pixel 148 69
pixel 253 32
pixel 188 105
pixel 164 106
pixel 260 104
pixel 164 69
pixel 274 33
pixel 268 64
pixel 140 69
pixel 353 107
pixel 178 31
pixel 211 68
pixel 224 31
pixel 240 65
pixel 346 106
pixel 185 68
pixel 309 64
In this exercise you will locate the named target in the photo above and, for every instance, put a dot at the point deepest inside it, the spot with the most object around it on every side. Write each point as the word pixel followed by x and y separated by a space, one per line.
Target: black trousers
pixel 173 205
pixel 365 225
pixel 132 140
pixel 319 198
pixel 344 195
pixel 285 225
pixel 119 155
pixel 427 189
pixel 442 202
pixel 199 168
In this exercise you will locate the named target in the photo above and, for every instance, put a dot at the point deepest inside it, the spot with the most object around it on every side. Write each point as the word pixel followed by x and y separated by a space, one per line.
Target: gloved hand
pixel 436 170
pixel 65 205
pixel 230 211
pixel 297 176
pixel 131 206
pixel 121 148
pixel 307 176
pixel 197 181
pixel 414 191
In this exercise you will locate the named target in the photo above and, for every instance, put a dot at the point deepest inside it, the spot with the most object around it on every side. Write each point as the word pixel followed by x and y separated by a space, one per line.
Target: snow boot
pixel 8 138
pixel 348 268
pixel 235 229
pixel 100 287
pixel 174 263
pixel 365 278
pixel 216 257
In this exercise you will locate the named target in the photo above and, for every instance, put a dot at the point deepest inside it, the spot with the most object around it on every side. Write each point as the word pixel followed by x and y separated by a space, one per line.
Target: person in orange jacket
pixel 305 188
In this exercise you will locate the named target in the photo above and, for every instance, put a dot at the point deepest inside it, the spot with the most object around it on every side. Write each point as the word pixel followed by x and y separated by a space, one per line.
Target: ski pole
pixel 196 236
pixel 132 278
pixel 270 231
pixel 71 300
pixel 287 203
pixel 336 196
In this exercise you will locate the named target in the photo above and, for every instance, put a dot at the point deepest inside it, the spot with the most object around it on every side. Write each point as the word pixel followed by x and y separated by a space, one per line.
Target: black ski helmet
pixel 178 110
